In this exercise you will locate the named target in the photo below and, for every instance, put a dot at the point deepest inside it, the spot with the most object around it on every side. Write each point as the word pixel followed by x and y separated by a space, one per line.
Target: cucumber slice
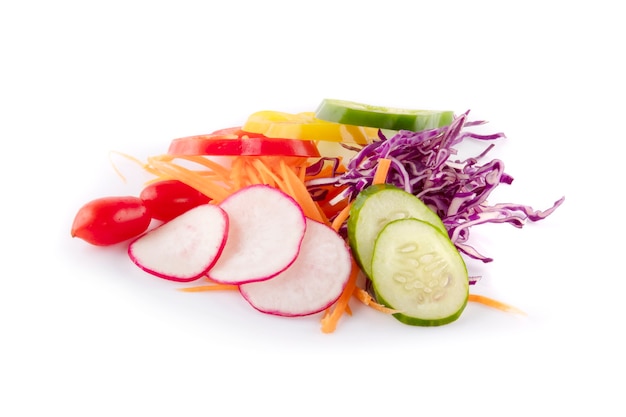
pixel 376 206
pixel 417 270
pixel 351 113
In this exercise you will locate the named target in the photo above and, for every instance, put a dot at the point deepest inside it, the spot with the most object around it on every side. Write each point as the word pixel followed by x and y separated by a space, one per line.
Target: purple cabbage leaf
pixel 423 164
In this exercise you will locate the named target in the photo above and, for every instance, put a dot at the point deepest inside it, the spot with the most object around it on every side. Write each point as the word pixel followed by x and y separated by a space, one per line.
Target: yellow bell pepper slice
pixel 305 126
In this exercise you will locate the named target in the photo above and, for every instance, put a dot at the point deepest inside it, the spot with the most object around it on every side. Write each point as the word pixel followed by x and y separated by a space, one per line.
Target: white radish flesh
pixel 312 283
pixel 265 231
pixel 184 248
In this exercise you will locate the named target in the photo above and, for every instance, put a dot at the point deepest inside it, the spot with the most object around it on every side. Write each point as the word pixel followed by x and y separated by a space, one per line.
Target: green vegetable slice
pixel 376 206
pixel 417 270
pixel 351 113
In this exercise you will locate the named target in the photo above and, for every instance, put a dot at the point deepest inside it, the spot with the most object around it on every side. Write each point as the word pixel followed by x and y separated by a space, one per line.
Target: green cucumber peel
pixel 376 206
pixel 358 114
pixel 418 271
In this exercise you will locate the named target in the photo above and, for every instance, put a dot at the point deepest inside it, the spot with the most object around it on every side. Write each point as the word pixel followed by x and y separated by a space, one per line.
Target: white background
pixel 84 332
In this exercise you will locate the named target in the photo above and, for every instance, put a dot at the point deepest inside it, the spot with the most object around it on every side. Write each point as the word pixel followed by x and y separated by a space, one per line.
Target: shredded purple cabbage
pixel 422 164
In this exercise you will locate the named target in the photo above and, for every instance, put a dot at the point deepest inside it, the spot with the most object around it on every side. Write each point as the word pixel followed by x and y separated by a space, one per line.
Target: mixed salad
pixel 304 213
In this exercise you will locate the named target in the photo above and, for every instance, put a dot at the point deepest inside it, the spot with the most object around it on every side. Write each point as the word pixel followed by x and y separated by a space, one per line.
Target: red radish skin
pixel 184 248
pixel 266 228
pixel 312 283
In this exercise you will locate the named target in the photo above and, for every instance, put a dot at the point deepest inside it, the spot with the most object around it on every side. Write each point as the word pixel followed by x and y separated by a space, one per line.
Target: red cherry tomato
pixel 168 199
pixel 110 220
pixel 234 141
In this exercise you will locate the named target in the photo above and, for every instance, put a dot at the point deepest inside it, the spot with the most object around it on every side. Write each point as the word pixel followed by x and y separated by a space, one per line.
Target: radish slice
pixel 184 248
pixel 312 283
pixel 266 228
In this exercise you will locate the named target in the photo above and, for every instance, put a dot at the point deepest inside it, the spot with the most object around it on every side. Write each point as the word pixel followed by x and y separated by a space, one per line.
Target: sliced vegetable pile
pixel 302 213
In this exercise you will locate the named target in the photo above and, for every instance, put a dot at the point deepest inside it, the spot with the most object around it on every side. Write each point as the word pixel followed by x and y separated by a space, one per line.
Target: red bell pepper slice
pixel 234 141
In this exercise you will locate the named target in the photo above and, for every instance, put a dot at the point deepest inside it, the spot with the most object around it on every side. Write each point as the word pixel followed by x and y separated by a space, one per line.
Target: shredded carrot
pixel 348 310
pixel 129 157
pixel 237 173
pixel 343 215
pixel 326 172
pixel 331 318
pixel 490 302
pixel 302 173
pixel 269 176
pixel 364 297
pixel 380 176
pixel 297 189
pixel 210 287
pixel 252 174
pixel 214 190
pixel 218 181
pixel 213 166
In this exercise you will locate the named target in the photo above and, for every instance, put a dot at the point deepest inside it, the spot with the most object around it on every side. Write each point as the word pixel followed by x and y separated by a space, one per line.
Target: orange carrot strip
pixel 234 176
pixel 302 173
pixel 252 174
pixel 296 188
pixel 331 318
pixel 210 287
pixel 130 158
pixel 490 302
pixel 326 172
pixel 348 310
pixel 292 161
pixel 216 192
pixel 207 163
pixel 212 168
pixel 268 175
pixel 341 217
pixel 380 176
pixel 289 188
pixel 364 297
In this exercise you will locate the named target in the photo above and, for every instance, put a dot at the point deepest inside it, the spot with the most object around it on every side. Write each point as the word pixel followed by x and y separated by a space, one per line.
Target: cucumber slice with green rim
pixel 417 270
pixel 376 206
pixel 351 113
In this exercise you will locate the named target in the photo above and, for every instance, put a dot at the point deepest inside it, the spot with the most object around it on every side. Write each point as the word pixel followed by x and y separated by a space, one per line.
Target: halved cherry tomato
pixel 168 199
pixel 110 220
pixel 234 141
